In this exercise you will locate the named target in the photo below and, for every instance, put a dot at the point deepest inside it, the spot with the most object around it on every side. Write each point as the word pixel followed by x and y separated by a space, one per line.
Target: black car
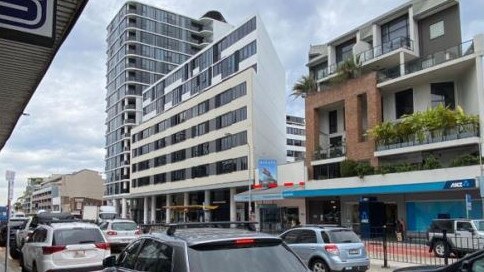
pixel 15 224
pixel 206 248
pixel 470 263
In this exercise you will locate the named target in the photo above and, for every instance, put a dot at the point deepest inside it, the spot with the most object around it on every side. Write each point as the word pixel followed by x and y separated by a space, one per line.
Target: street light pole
pixel 481 182
pixel 250 181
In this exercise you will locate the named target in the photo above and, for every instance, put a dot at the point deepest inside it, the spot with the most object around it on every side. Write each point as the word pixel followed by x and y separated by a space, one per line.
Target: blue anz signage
pixel 460 184
pixel 28 21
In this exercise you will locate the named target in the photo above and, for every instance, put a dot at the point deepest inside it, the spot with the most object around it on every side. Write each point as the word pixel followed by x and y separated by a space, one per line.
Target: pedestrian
pixel 400 230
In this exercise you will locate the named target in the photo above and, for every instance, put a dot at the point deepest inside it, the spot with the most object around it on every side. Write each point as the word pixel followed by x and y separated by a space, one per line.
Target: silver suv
pixel 328 248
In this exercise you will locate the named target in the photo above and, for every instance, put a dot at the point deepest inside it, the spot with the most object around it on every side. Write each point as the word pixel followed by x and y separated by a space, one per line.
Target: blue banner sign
pixel 460 184
pixel 28 21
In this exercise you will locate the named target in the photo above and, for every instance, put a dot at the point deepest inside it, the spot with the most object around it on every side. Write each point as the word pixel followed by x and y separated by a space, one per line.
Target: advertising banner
pixel 267 172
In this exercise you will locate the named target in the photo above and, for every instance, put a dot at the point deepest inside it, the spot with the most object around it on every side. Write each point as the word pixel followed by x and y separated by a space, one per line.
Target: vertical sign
pixel 10 177
pixel 468 204
pixel 267 172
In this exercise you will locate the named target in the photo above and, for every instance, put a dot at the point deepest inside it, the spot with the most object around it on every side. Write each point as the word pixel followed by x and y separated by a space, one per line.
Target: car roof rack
pixel 248 225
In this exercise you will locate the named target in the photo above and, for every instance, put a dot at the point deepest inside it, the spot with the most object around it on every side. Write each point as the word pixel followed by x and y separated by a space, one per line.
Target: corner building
pixel 144 44
pixel 204 127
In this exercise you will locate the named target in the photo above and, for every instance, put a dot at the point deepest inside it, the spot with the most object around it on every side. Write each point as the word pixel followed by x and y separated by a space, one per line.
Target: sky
pixel 64 131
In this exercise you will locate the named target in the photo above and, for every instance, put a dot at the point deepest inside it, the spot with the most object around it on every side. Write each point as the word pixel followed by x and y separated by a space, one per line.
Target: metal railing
pixel 387 47
pixel 452 53
pixel 130 107
pixel 435 136
pixel 129 121
pixel 330 152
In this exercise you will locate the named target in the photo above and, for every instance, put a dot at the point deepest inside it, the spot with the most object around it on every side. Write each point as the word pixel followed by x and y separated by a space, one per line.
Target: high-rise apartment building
pixel 144 44
pixel 296 138
pixel 204 127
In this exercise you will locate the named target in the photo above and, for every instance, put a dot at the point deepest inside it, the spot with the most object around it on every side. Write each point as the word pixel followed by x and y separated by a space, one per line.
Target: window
pixel 403 103
pixel 291 236
pixel 160 178
pixel 443 93
pixel 343 236
pixel 178 175
pixel 124 226
pixel 325 237
pixel 333 121
pixel 77 236
pixel 227 166
pixel 127 258
pixel 200 171
pixel 464 226
pixel 344 51
pixel 437 30
pixel 39 235
pixel 154 257
pixel 307 237
pixel 178 156
pixel 394 33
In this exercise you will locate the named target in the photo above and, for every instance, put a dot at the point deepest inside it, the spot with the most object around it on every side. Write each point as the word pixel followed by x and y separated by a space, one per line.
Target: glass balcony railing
pixel 429 137
pixel 387 47
pixel 330 152
pixel 452 53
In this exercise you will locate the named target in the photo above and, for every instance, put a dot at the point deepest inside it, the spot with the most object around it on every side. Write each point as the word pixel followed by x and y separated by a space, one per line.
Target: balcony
pixel 329 155
pixel 326 72
pixel 450 54
pixel 442 138
pixel 375 52
pixel 130 121
pixel 130 107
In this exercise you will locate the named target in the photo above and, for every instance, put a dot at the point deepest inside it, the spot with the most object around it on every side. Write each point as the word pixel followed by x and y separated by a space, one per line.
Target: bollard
pixel 385 259
pixel 446 247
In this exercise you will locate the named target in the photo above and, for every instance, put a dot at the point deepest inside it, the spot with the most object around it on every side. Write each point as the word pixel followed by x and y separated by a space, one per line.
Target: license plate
pixel 349 268
pixel 80 254
pixel 354 251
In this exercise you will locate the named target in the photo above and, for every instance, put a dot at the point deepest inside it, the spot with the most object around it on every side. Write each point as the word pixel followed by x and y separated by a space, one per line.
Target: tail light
pixel 104 246
pixel 331 249
pixel 244 241
pixel 47 250
pixel 111 233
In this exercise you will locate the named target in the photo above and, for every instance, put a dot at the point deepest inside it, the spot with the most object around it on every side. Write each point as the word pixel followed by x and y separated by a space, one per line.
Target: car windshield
pixel 120 226
pixel 247 259
pixel 107 216
pixel 77 236
pixel 343 236
pixel 479 224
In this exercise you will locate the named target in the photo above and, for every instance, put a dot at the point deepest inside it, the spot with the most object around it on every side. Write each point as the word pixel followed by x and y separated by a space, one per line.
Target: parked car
pixel 206 249
pixel 470 263
pixel 72 246
pixel 15 224
pixel 325 248
pixel 119 232
pixel 41 218
pixel 463 236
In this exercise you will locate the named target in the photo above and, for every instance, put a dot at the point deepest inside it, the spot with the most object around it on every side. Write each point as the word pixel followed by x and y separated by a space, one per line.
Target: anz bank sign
pixel 28 21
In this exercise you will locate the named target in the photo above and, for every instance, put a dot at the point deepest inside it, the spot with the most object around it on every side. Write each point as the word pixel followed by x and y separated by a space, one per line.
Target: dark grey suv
pixel 206 249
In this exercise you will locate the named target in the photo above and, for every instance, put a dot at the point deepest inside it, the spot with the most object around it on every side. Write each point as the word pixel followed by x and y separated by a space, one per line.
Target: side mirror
pixel 109 261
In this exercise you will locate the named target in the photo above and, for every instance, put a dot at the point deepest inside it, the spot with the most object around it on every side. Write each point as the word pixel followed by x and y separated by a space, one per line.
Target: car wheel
pixel 319 266
pixel 34 267
pixel 14 253
pixel 439 249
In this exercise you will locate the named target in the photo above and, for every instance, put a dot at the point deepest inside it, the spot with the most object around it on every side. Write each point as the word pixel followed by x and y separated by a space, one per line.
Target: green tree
pixel 304 86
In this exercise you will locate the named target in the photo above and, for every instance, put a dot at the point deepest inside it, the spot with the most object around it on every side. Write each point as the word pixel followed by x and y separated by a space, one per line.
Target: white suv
pixel 65 247
pixel 119 232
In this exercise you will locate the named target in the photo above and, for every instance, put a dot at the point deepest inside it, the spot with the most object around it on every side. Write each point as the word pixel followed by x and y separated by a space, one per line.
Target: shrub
pixel 386 169
pixel 348 168
pixel 431 162
pixel 405 167
pixel 364 169
pixel 464 160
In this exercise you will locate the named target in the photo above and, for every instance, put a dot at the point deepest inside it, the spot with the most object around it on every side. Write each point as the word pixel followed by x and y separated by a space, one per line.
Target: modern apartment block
pixel 205 125
pixel 32 185
pixel 296 138
pixel 69 192
pixel 411 59
pixel 144 44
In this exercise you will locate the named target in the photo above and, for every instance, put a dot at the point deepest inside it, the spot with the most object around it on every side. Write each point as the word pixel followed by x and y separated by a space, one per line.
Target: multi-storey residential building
pixel 144 44
pixel 411 59
pixel 296 138
pixel 32 185
pixel 69 192
pixel 205 125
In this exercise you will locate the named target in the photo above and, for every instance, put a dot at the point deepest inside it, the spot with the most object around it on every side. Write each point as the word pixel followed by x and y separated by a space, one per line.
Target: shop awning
pixel 264 194
pixel 31 33
pixel 191 207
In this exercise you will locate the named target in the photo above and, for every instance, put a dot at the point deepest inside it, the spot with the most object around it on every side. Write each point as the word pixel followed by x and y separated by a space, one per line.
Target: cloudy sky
pixel 65 129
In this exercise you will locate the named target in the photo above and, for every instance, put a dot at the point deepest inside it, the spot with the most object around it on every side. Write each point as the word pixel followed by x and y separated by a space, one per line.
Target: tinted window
pixel 127 258
pixel 247 259
pixel 77 236
pixel 325 237
pixel 124 226
pixel 39 236
pixel 440 225
pixel 307 237
pixel 343 236
pixel 290 237
pixel 443 94
pixel 464 226
pixel 107 216
pixel 154 257
pixel 403 103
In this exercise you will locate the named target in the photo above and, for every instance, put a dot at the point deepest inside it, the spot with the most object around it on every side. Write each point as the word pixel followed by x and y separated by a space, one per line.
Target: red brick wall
pixel 357 148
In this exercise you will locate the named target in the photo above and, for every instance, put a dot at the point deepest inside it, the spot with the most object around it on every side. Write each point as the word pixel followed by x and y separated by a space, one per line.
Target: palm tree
pixel 306 85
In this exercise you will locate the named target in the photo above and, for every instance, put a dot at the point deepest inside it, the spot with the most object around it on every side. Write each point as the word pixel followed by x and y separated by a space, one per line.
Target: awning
pixel 191 207
pixel 31 33
pixel 264 194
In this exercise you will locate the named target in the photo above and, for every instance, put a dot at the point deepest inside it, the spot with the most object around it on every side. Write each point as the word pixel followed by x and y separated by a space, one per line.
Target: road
pixel 13 265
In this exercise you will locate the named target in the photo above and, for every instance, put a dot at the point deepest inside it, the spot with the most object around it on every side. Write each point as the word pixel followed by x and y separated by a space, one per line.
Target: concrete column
pixel 168 210
pixel 402 64
pixel 186 202
pixel 145 210
pixel 233 206
pixel 257 216
pixel 207 201
pixel 115 205
pixel 153 209
pixel 124 208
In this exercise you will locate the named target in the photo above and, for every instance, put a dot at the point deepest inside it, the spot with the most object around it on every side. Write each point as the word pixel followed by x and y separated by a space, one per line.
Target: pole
pixel 10 176
pixel 250 181
pixel 482 172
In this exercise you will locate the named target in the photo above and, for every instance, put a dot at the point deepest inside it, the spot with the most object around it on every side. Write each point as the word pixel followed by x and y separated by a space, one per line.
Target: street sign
pixel 9 175
pixel 468 202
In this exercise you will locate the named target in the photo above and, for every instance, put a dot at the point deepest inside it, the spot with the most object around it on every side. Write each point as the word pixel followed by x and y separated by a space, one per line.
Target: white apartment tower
pixel 144 43
pixel 296 138
pixel 204 127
